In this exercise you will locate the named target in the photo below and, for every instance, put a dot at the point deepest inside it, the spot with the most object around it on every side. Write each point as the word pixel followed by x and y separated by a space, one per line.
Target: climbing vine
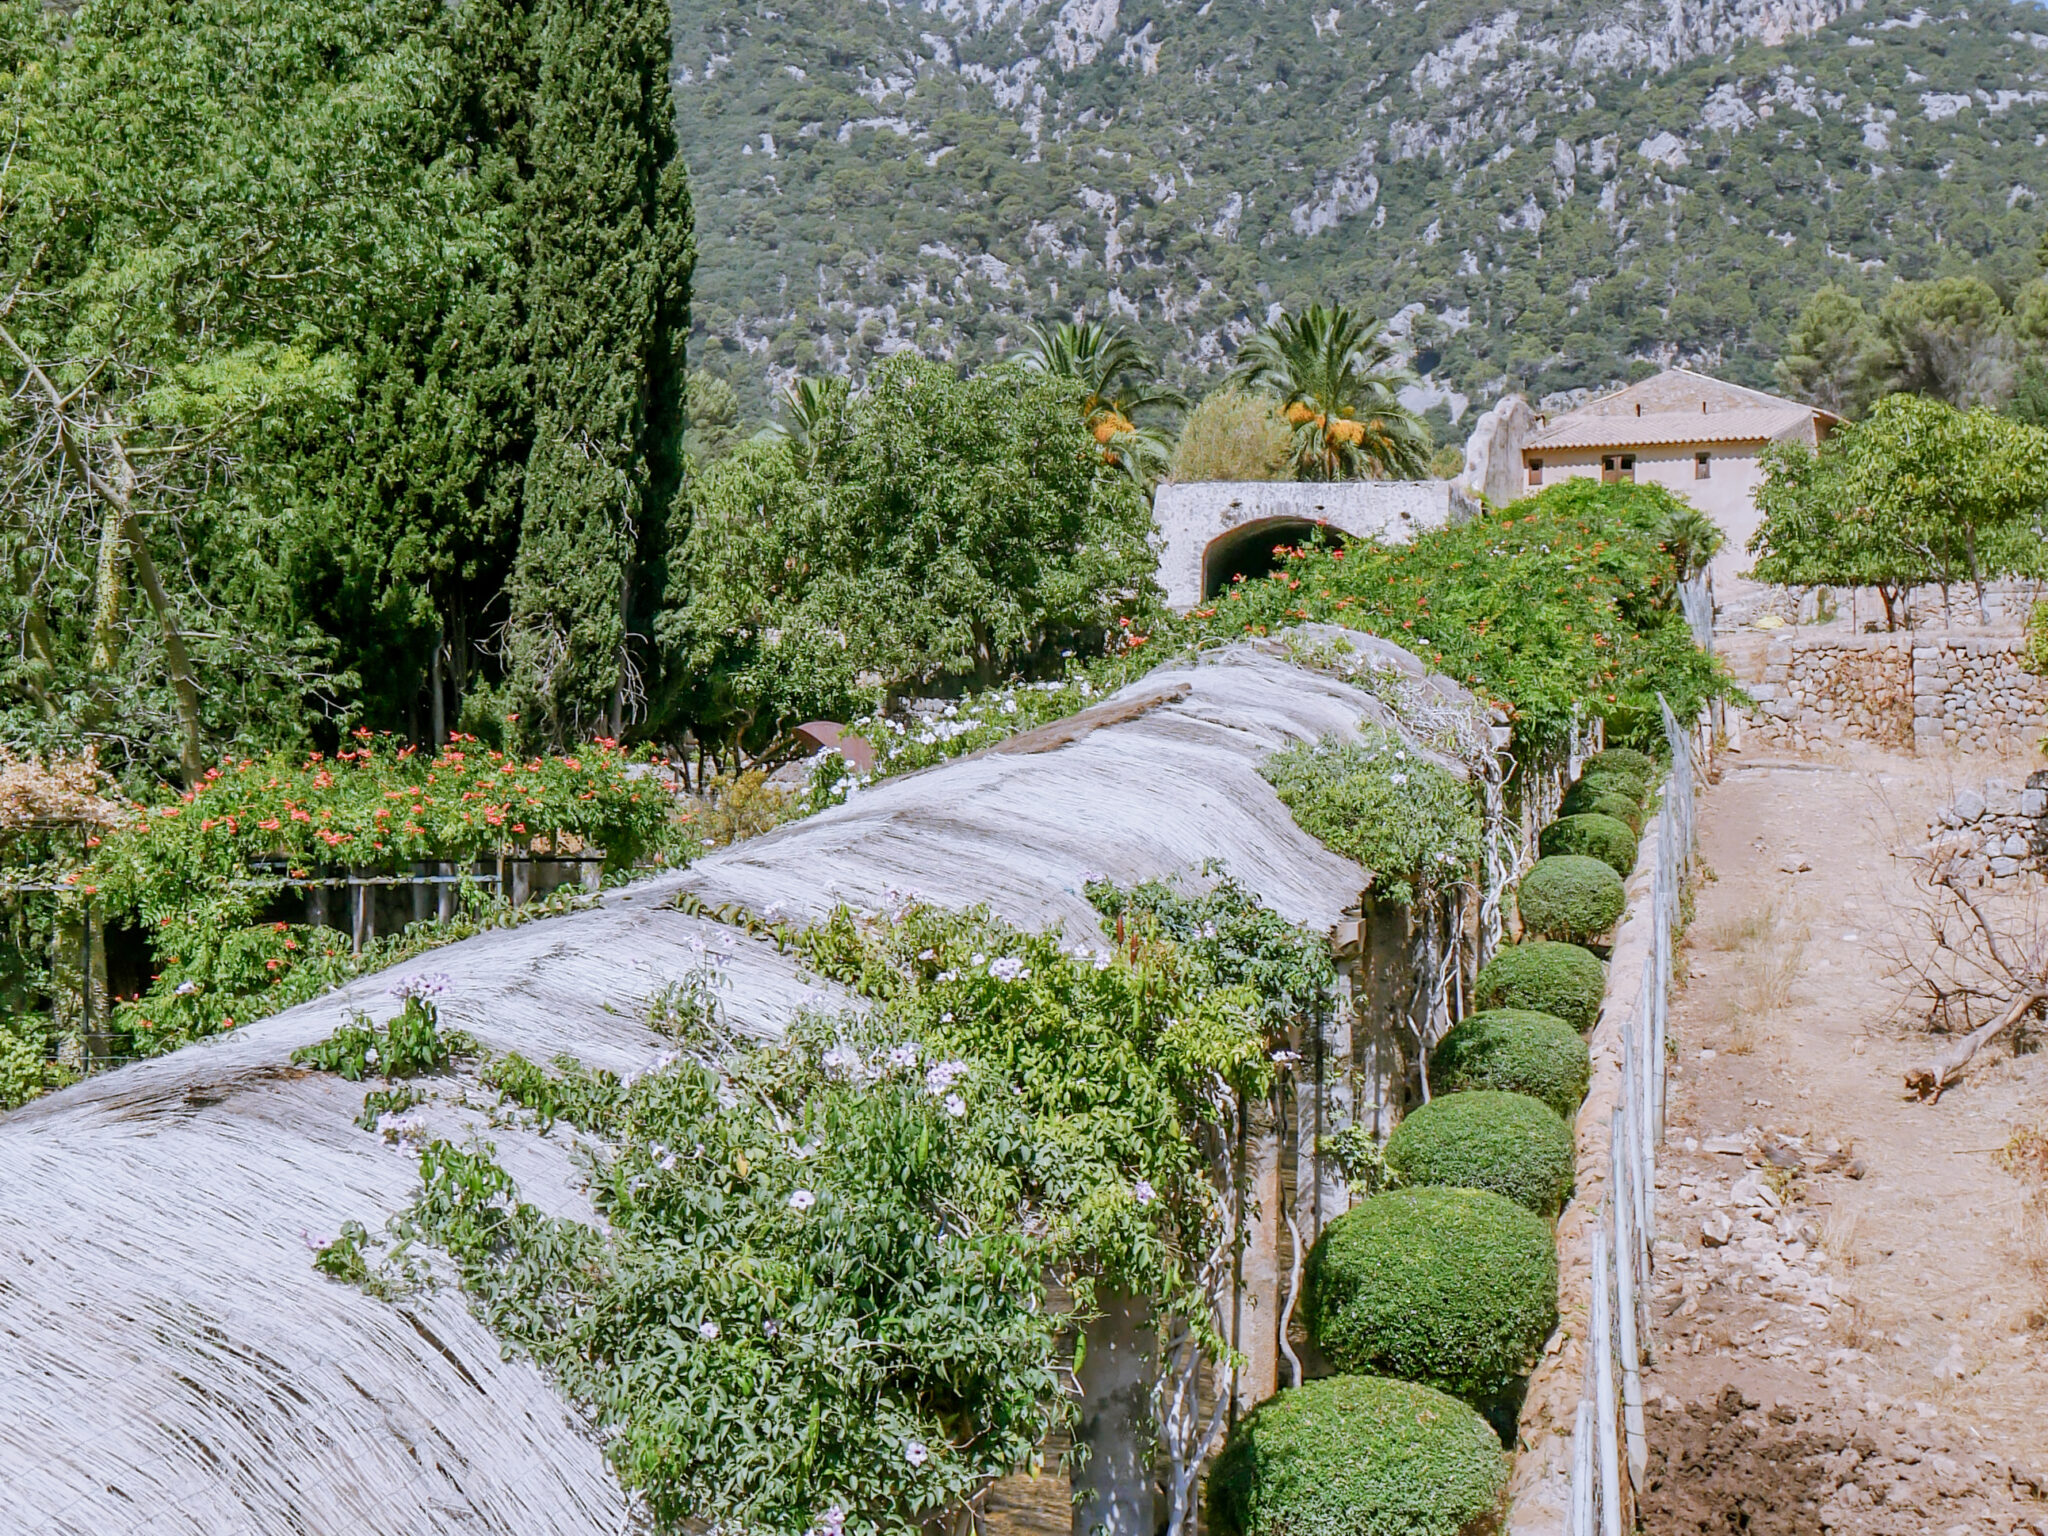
pixel 818 1302
pixel 1382 803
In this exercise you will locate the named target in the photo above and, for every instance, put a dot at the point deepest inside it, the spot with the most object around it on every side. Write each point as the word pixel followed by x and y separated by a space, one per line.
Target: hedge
pixel 1508 1143
pixel 1453 1288
pixel 1603 798
pixel 1618 781
pixel 1571 897
pixel 1626 760
pixel 1560 979
pixel 1515 1050
pixel 1606 838
pixel 1359 1456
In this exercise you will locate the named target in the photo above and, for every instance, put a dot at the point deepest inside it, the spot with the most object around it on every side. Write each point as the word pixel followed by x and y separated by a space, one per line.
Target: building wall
pixel 1728 495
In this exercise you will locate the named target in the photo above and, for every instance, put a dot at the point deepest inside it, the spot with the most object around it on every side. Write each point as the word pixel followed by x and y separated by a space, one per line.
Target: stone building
pixel 1689 433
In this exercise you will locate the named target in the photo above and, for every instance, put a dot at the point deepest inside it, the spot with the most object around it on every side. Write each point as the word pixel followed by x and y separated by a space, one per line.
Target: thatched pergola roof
pixel 170 1360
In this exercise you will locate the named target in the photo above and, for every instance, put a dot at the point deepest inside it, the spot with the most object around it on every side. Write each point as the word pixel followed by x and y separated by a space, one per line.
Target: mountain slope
pixel 1548 193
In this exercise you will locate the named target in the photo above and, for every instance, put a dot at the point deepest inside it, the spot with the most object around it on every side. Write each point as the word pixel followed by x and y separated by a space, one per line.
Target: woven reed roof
pixel 171 1362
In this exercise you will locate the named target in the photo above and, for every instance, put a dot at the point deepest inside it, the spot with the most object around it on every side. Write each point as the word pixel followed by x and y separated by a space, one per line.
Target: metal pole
pixel 1625 1297
pixel 1582 1469
pixel 1603 1392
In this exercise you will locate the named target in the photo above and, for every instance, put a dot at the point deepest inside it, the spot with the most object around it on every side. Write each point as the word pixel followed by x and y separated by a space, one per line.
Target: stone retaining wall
pixel 1959 689
pixel 1999 831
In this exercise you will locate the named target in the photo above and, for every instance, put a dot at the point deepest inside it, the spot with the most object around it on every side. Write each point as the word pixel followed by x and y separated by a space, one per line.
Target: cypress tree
pixel 609 255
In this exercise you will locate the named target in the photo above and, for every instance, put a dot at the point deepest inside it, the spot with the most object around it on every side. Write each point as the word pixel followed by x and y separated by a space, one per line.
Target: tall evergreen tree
pixel 609 253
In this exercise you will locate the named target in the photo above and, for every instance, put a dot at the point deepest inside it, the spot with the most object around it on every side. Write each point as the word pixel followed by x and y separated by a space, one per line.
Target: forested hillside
pixel 1561 192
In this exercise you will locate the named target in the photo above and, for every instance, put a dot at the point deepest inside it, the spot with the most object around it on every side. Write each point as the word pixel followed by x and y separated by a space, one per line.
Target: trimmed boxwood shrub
pixel 1454 1288
pixel 1560 979
pixel 1506 1142
pixel 1603 798
pixel 1359 1456
pixel 1569 896
pixel 1597 837
pixel 1516 1050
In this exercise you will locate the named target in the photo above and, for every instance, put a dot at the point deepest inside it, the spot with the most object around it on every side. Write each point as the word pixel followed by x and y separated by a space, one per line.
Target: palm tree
pixel 1117 381
pixel 814 415
pixel 1338 381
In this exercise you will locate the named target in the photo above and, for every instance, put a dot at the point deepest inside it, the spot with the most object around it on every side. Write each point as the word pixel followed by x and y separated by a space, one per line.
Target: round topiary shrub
pixel 1453 1288
pixel 1560 979
pixel 1515 1050
pixel 1569 896
pixel 1603 798
pixel 1359 1456
pixel 1596 836
pixel 1505 1142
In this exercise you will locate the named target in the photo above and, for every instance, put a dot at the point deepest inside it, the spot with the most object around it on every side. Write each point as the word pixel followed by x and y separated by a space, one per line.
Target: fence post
pixel 1603 1392
pixel 1625 1241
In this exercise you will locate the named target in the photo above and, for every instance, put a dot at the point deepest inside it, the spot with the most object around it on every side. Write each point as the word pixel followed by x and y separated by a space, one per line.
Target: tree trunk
pixel 1258 1297
pixel 1976 574
pixel 438 714
pixel 1113 1489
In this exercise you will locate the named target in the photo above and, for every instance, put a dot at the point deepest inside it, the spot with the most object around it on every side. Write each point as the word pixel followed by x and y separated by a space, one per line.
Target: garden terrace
pixel 168 1341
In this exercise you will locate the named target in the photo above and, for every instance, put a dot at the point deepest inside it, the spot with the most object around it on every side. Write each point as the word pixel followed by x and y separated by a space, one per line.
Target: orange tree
pixel 1562 602
pixel 197 870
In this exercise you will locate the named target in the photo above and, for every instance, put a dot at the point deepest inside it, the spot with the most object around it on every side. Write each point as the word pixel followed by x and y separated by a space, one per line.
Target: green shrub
pixel 1560 979
pixel 1604 797
pixel 1453 1288
pixel 1359 1456
pixel 1569 896
pixel 1515 1050
pixel 1598 837
pixel 1638 765
pixel 1505 1142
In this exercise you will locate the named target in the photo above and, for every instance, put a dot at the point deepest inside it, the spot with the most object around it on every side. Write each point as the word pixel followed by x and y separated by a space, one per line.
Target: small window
pixel 1703 466
pixel 1535 471
pixel 1617 466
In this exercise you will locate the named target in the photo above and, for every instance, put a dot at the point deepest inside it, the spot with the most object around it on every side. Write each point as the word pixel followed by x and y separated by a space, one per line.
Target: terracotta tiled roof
pixel 1747 425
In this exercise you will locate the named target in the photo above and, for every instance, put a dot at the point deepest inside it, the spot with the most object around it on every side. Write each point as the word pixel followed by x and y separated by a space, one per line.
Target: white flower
pixel 945 1018
pixel 842 1061
pixel 317 1244
pixel 1009 968
pixel 421 987
pixel 904 1055
pixel 948 976
pixel 955 1105
pixel 1143 1192
pixel 668 1164
pixel 707 1330
pixel 1397 778
pixel 1101 961
pixel 980 959
pixel 940 1078
pixel 185 989
pixel 771 1327
pixel 802 1200
pixel 915 1453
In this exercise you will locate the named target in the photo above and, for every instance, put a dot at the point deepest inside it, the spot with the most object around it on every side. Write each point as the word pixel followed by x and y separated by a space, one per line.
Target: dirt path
pixel 1851 1307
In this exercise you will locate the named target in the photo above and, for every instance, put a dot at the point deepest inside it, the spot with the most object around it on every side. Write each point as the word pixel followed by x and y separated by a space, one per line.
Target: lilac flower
pixel 1143 1192
pixel 905 1055
pixel 707 1330
pixel 915 1453
pixel 842 1062
pixel 421 987
pixel 802 1200
pixel 955 1105
pixel 1008 968
pixel 317 1244
pixel 771 1327
pixel 831 1523
pixel 939 1079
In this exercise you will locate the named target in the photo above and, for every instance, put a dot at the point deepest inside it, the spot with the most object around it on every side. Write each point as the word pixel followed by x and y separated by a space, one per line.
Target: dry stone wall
pixel 1960 690
pixel 2000 831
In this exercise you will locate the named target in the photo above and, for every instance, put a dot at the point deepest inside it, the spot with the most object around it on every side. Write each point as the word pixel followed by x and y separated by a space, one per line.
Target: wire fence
pixel 1608 1428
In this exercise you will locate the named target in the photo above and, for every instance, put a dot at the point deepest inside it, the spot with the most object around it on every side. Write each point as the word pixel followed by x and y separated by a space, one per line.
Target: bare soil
pixel 1850 1310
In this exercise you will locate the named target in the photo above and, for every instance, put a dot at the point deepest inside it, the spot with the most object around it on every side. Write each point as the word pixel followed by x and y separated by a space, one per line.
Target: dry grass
pixel 1769 942
pixel 2025 1157
pixel 1843 1237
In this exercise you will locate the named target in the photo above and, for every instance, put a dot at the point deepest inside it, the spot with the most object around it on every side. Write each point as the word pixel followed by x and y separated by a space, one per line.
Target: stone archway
pixel 1248 550
pixel 1198 517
